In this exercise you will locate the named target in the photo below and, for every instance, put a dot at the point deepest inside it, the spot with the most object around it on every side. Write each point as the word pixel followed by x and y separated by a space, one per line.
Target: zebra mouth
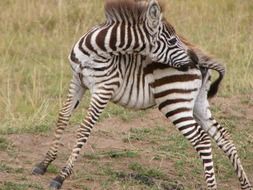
pixel 180 64
pixel 185 66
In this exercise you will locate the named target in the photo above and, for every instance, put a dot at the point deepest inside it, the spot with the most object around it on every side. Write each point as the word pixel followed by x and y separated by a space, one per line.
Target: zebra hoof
pixel 54 185
pixel 39 169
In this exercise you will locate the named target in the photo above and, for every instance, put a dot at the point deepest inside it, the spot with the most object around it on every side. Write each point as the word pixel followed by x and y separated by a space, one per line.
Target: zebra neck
pixel 116 38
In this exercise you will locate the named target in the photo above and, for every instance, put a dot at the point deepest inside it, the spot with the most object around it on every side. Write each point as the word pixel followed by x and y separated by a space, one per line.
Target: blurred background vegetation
pixel 37 35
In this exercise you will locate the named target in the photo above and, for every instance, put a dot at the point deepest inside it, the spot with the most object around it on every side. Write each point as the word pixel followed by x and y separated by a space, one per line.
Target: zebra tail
pixel 214 87
pixel 208 62
pixel 216 66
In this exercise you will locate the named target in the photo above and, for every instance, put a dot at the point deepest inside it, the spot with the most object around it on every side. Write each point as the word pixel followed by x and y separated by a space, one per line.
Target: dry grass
pixel 36 37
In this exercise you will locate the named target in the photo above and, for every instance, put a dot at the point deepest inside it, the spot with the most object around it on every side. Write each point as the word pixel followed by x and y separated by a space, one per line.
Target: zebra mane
pixel 125 10
pixel 169 26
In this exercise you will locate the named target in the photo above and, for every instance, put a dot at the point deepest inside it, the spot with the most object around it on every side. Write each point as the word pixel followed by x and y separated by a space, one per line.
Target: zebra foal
pixel 120 71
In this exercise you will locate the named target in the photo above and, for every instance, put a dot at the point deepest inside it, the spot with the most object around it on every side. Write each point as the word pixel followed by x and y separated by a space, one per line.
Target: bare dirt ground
pixel 120 154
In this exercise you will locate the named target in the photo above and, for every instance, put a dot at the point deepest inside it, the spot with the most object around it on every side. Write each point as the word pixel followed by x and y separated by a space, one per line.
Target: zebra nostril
pixel 173 41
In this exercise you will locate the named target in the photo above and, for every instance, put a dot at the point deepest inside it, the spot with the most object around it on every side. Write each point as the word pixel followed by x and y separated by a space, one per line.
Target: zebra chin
pixel 185 66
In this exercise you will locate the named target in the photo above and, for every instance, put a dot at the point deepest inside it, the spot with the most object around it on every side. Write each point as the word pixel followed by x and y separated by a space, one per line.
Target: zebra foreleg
pixel 74 96
pixel 97 105
pixel 182 118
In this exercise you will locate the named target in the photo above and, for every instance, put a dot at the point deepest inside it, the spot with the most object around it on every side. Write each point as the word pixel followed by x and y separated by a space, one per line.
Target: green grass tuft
pixel 4 144
pixel 19 186
pixel 52 169
pixel 112 154
pixel 140 169
pixel 8 169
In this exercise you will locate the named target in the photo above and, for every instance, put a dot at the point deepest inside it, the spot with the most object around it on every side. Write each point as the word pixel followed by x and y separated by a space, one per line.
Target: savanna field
pixel 127 149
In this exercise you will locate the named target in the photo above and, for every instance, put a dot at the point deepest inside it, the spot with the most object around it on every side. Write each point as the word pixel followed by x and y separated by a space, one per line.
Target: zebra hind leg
pixel 222 139
pixel 76 91
pixel 182 118
pixel 97 105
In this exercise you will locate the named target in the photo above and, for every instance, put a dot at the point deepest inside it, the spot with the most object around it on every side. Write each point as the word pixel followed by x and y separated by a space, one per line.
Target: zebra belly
pixel 134 95
pixel 135 90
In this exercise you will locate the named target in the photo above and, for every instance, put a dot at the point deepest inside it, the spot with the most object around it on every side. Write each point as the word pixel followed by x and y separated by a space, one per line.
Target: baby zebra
pixel 136 71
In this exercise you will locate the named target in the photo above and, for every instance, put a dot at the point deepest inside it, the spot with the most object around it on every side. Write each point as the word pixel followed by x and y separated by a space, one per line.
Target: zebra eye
pixel 173 41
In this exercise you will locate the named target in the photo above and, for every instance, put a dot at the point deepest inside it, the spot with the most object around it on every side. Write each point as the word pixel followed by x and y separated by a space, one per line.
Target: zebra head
pixel 166 46
pixel 169 49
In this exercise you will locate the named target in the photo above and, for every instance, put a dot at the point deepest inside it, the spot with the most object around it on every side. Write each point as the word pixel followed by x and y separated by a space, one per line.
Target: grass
pixel 7 146
pixel 111 154
pixel 125 115
pixel 52 169
pixel 140 169
pixel 139 175
pixel 19 186
pixel 4 144
pixel 9 169
pixel 34 70
pixel 145 134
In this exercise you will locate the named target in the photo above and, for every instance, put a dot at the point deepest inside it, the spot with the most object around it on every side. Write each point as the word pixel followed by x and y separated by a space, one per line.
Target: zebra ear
pixel 154 14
